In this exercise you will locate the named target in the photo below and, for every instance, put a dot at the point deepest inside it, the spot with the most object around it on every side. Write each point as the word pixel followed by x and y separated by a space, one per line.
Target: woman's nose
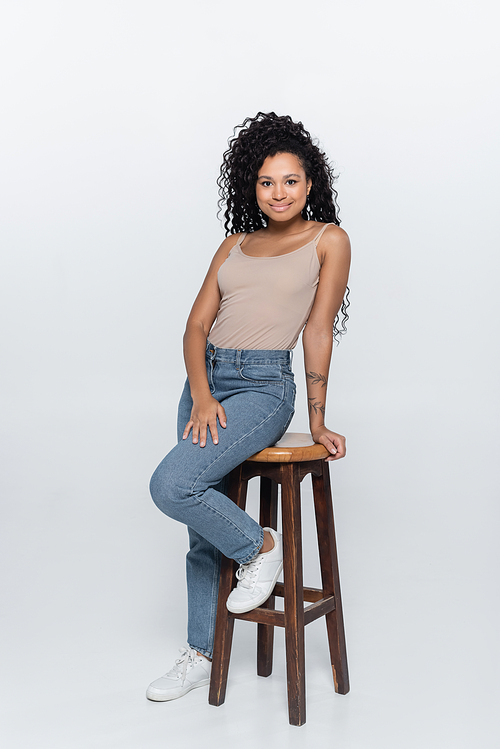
pixel 279 192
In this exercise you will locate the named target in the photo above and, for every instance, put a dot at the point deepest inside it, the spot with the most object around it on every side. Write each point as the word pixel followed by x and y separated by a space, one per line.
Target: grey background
pixel 114 119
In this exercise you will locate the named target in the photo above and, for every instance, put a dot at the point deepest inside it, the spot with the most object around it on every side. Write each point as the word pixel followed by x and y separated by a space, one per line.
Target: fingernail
pixel 216 442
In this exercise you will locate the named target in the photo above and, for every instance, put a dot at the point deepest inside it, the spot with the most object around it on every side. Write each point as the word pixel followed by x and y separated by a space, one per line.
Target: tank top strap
pixel 237 246
pixel 320 234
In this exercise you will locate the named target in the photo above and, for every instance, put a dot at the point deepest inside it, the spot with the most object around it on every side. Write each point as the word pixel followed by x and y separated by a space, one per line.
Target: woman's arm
pixel 317 338
pixel 206 410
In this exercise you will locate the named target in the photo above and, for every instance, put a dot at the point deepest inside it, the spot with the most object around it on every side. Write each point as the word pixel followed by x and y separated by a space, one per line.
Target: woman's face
pixel 282 187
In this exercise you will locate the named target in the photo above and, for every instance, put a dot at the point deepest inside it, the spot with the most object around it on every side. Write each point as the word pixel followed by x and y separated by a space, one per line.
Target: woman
pixel 285 263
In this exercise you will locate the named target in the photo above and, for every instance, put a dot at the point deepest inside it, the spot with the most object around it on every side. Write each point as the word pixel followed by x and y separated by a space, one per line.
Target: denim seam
pixel 258 547
pixel 213 612
pixel 235 527
pixel 200 650
pixel 280 360
pixel 288 422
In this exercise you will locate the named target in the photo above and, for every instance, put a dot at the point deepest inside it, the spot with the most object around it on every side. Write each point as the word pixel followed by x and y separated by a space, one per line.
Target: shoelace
pixel 246 573
pixel 183 664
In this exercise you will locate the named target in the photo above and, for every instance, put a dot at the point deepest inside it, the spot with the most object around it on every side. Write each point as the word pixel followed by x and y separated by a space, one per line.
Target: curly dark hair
pixel 252 142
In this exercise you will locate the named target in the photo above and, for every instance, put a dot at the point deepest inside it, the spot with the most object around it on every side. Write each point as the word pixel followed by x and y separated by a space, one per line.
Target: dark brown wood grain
pixel 330 578
pixel 294 594
pixel 310 594
pixel 320 608
pixel 268 518
pixel 263 616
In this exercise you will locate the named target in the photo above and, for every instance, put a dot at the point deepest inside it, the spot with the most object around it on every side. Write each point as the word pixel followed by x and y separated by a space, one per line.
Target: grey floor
pixel 93 610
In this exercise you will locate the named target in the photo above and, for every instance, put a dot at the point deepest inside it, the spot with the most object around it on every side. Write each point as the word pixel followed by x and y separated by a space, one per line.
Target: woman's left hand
pixel 334 443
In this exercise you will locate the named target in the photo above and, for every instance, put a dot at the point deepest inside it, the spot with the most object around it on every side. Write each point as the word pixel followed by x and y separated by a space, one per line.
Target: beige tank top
pixel 265 301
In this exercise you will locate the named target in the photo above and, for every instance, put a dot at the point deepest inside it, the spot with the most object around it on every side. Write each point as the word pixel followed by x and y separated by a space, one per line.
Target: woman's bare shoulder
pixel 229 242
pixel 233 238
pixel 334 240
pixel 334 233
pixel 225 248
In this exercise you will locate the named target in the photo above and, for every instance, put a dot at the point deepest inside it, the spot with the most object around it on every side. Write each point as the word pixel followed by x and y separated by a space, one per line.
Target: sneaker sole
pixel 174 694
pixel 235 609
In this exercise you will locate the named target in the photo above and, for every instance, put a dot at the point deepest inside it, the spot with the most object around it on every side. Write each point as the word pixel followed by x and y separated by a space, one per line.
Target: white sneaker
pixel 190 671
pixel 257 578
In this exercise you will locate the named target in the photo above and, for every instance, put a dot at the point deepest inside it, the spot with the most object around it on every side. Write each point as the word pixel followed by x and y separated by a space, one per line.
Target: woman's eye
pixel 291 181
pixel 265 184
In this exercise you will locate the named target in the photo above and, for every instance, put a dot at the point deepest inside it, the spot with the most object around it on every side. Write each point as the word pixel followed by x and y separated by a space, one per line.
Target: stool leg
pixel 294 594
pixel 268 518
pixel 224 623
pixel 330 577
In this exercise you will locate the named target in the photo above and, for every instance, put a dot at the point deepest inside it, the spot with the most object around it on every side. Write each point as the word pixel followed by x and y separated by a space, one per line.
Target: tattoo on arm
pixel 316 406
pixel 316 378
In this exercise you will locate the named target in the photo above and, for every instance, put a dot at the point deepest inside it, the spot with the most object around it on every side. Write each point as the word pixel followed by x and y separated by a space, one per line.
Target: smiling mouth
pixel 280 207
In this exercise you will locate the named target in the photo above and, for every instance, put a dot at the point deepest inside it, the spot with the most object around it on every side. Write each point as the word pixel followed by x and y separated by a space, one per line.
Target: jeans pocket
pixel 262 373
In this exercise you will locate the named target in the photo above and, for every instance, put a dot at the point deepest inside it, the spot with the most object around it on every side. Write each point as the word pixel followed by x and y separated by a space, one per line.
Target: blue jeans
pixel 257 391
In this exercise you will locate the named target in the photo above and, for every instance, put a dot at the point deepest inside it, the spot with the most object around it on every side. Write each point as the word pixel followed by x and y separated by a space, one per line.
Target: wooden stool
pixel 287 463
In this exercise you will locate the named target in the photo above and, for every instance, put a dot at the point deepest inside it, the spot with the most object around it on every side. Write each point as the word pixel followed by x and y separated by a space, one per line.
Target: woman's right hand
pixel 204 414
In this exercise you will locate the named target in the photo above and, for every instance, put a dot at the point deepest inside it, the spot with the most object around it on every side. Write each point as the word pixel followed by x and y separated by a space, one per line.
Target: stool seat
pixel 293 447
pixel 285 465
